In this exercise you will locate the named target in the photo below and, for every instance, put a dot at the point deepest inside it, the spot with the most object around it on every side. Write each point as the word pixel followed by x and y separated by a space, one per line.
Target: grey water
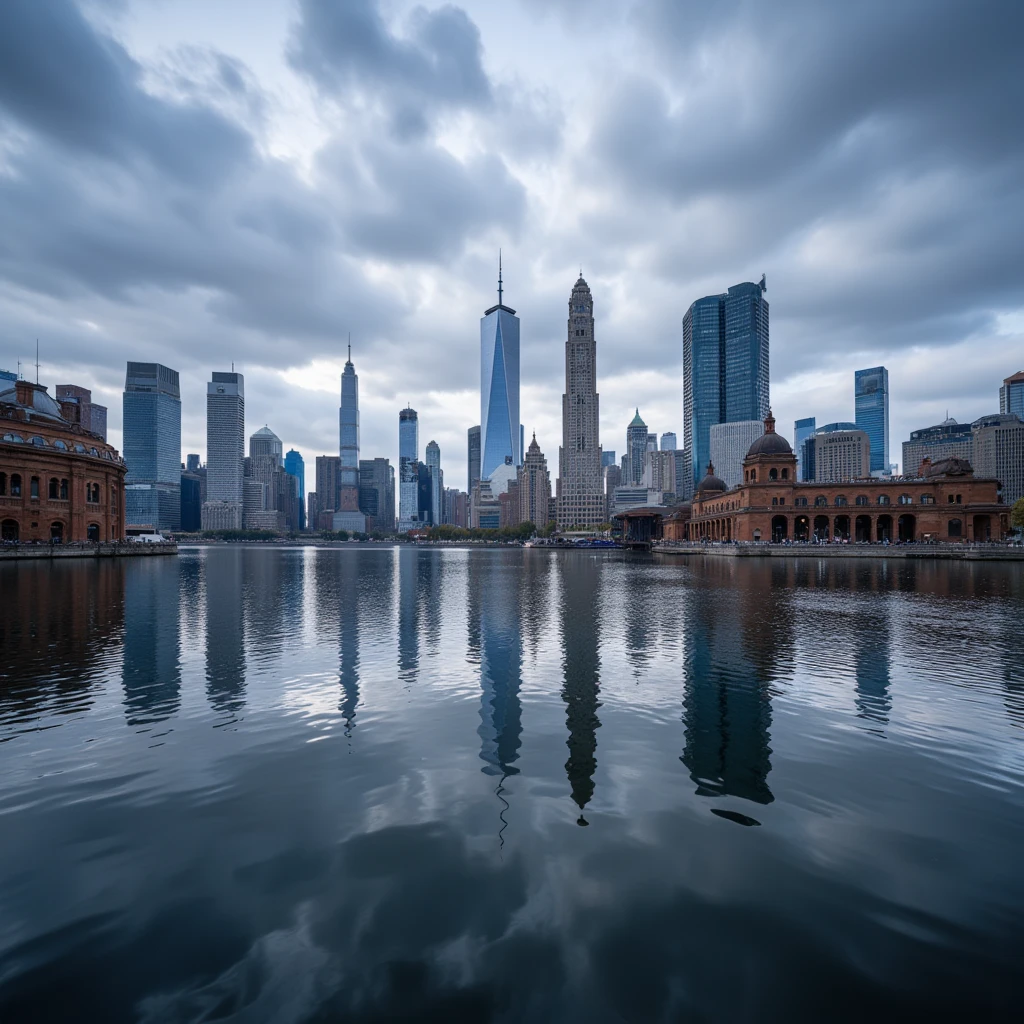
pixel 379 784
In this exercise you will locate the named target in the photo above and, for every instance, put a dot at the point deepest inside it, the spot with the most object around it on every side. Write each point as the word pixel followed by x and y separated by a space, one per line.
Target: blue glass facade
pixel 871 412
pixel 802 429
pixel 725 369
pixel 348 426
pixel 1011 395
pixel 500 430
pixel 296 467
pixel 152 446
pixel 408 471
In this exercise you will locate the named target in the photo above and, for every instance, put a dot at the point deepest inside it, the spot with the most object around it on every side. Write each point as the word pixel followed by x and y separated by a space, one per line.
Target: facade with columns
pixel 945 502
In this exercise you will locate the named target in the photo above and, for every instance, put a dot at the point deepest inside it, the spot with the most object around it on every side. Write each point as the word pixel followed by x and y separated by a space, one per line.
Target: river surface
pixel 380 784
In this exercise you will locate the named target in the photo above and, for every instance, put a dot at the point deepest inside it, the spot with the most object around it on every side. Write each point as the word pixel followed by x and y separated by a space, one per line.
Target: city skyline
pixel 280 258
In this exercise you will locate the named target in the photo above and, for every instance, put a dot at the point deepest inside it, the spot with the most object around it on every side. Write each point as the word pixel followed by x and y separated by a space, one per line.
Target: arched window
pixel 37 440
pixel 3 484
pixel 92 533
pixel 820 501
pixel 956 528
pixel 92 451
pixel 785 473
pixel 841 500
pixel 773 474
pixel 906 499
pixel 15 485
pixel 54 491
pixel 861 499
pixel 63 490
pixel 883 499
pixel 61 445
pixel 927 499
pixel 15 438
pixel 802 502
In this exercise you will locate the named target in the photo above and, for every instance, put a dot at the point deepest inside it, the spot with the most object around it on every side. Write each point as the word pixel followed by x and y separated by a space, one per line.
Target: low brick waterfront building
pixel 945 502
pixel 58 481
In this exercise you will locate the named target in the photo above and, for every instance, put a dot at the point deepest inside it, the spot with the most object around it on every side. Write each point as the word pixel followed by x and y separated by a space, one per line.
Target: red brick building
pixel 944 502
pixel 58 481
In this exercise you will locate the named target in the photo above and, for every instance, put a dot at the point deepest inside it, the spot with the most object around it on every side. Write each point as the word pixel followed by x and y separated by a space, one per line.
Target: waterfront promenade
pixel 15 552
pixel 942 552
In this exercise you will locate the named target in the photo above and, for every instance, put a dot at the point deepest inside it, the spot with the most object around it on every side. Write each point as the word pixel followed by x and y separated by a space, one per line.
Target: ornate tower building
pixel 580 490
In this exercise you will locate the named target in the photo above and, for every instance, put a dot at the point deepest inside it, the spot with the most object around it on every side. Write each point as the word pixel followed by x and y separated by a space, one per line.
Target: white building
pixel 730 443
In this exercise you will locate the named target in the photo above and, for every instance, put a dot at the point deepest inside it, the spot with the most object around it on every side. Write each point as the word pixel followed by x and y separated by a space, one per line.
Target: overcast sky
pixel 196 182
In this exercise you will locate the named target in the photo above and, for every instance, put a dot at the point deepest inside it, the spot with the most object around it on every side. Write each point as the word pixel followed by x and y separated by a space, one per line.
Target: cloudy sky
pixel 198 183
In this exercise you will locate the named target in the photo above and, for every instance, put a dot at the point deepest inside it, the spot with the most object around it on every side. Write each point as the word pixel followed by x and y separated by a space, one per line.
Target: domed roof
pixel 711 483
pixel 769 443
pixel 38 401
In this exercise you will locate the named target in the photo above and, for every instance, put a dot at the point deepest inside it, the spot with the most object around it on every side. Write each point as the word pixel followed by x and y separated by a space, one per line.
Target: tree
pixel 1017 514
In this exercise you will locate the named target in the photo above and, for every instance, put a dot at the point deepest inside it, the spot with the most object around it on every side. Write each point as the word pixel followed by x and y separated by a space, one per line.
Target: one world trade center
pixel 500 432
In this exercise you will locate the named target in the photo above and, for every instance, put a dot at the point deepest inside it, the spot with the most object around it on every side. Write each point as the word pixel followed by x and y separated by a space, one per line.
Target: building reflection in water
pixel 225 629
pixel 495 607
pixel 872 661
pixel 151 673
pixel 726 702
pixel 408 613
pixel 580 605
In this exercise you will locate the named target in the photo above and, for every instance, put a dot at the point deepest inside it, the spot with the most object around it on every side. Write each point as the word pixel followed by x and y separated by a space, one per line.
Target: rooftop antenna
pixel 19 370
pixel 232 366
pixel 37 360
pixel 350 346
pixel 499 277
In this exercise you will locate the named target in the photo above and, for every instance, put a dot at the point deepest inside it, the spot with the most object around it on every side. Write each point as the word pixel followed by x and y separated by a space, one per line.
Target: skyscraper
pixel 580 488
pixel 473 467
pixel 433 460
pixel 534 487
pixel 499 386
pixel 871 413
pixel 348 426
pixel 377 494
pixel 408 473
pixel 802 429
pixel 725 369
pixel 152 446
pixel 636 451
pixel 296 467
pixel 729 444
pixel 1011 395
pixel 668 441
pixel 225 451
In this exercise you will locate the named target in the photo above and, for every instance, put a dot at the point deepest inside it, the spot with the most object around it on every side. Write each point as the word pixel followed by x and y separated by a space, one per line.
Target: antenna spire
pixel 37 360
pixel 499 277
pixel 350 346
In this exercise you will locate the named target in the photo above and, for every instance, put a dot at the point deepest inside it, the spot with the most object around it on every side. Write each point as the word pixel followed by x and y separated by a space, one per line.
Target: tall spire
pixel 499 277
pixel 350 346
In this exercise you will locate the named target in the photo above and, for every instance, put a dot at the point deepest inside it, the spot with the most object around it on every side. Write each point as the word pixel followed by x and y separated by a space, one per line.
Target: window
pixel 782 501
pixel 63 490
pixel 92 533
pixel 3 484
pixel 802 502
pixel 949 500
pixel 92 451
pixel 820 501
pixel 785 474
pixel 15 485
pixel 906 499
pixel 92 493
pixel 956 528
pixel 927 499
pixel 753 476
pixel 33 488
pixel 773 474
pixel 958 499
pixel 61 445
pixel 862 499
pixel 54 491
pixel 775 501
pixel 16 438
pixel 841 501
pixel 37 440
pixel 883 499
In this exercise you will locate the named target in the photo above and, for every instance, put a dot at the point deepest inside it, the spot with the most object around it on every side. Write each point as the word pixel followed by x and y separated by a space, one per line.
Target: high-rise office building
pixel 296 467
pixel 725 369
pixel 608 459
pixel 636 451
pixel 945 440
pixel 408 471
pixel 802 429
pixel 192 462
pixel 377 494
pixel 652 442
pixel 433 463
pixel 328 473
pixel 841 455
pixel 1011 395
pixel 806 455
pixel 348 425
pixel 90 415
pixel 225 451
pixel 580 488
pixel 152 446
pixel 499 386
pixel 668 441
pixel 871 413
pixel 473 465
pixel 999 453
pixel 191 502
pixel 730 443
pixel 534 486
pixel 266 444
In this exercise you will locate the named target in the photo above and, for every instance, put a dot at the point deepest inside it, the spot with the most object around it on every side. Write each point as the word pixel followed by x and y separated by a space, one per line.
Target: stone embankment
pixel 945 552
pixel 48 551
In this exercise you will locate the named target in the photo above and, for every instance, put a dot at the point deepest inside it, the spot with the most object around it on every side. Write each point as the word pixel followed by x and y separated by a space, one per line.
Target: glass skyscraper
pixel 871 413
pixel 296 467
pixel 152 446
pixel 473 464
pixel 1011 395
pixel 725 370
pixel 433 461
pixel 636 448
pixel 225 451
pixel 802 429
pixel 408 471
pixel 348 425
pixel 500 430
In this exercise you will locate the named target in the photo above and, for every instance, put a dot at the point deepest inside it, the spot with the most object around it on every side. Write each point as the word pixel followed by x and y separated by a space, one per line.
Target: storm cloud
pixel 174 190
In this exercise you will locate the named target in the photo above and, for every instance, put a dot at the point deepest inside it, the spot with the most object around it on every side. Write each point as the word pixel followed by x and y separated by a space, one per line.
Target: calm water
pixel 287 785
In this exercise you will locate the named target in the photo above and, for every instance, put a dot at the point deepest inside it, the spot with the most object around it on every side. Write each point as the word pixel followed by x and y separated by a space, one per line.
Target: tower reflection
pixel 408 614
pixel 225 630
pixel 580 601
pixel 726 705
pixel 151 671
